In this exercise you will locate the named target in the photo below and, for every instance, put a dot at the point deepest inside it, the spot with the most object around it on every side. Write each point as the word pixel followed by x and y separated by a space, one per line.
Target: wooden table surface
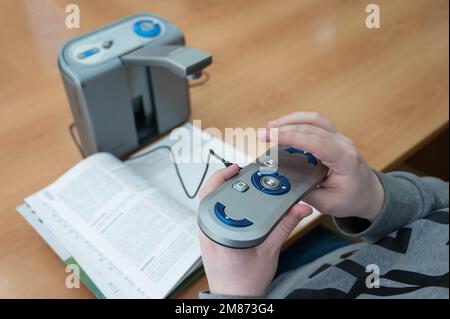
pixel 385 88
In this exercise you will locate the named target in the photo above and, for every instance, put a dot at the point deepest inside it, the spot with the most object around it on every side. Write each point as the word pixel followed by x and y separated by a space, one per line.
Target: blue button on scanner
pixel 147 28
pixel 219 210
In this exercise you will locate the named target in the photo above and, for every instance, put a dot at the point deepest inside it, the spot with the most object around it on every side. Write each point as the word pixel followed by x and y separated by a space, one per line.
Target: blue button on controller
pixel 147 28
pixel 219 210
pixel 283 188
pixel 311 158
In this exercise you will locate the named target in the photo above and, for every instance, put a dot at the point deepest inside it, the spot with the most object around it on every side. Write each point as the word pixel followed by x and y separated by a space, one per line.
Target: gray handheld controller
pixel 244 210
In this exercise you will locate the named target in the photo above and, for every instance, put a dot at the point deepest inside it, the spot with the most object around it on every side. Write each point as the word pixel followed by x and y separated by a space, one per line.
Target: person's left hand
pixel 245 272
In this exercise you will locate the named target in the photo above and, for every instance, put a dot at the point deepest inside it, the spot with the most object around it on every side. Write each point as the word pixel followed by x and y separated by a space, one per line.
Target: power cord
pixel 204 77
pixel 72 128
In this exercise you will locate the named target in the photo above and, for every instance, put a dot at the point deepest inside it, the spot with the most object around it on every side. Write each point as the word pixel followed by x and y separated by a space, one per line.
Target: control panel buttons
pixel 219 211
pixel 147 28
pixel 271 184
pixel 240 186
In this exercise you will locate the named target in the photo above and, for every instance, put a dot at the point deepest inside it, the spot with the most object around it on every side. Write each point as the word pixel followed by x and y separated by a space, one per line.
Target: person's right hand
pixel 351 189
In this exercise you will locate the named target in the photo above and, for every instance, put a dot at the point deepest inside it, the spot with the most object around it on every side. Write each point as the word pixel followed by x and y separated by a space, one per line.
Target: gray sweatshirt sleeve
pixel 407 198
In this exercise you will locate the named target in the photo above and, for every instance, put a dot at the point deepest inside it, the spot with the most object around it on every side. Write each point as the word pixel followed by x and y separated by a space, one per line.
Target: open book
pixel 127 225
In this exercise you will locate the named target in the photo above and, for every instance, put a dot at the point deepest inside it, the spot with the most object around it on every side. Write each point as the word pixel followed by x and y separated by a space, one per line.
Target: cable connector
pixel 224 161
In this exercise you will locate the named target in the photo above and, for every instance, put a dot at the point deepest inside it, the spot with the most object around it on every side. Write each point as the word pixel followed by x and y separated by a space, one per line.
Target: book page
pixel 148 235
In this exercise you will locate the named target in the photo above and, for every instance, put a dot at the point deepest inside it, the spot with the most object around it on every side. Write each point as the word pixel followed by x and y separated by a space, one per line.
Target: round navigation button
pixel 270 182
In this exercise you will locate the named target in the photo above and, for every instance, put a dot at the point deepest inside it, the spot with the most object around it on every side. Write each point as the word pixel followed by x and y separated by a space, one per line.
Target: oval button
pixel 219 210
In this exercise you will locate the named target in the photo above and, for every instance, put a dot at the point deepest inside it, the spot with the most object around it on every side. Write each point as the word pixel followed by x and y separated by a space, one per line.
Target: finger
pixel 264 134
pixel 308 129
pixel 322 199
pixel 327 149
pixel 302 210
pixel 312 118
pixel 217 179
pixel 287 225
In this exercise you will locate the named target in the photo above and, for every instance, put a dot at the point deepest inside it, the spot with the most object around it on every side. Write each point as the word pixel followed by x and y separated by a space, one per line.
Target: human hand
pixel 245 272
pixel 351 188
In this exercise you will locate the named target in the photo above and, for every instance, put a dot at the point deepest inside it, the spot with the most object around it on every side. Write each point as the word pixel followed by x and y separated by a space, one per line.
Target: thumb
pixel 287 225
pixel 217 179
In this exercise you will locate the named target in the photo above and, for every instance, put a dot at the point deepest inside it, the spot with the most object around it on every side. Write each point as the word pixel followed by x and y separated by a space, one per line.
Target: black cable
pixel 177 170
pixel 75 140
pixel 168 148
pixel 224 161
pixel 200 81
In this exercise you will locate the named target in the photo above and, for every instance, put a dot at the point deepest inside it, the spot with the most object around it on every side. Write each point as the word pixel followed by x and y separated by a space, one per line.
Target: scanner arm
pixel 181 60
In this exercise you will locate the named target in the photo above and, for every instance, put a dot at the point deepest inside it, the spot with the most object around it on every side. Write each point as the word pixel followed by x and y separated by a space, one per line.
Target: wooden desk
pixel 387 89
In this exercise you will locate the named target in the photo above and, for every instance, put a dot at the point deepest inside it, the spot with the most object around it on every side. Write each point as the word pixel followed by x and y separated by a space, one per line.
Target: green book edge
pixel 87 281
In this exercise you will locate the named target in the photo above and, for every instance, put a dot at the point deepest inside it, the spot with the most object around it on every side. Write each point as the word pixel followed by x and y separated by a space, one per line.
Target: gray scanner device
pixel 127 83
pixel 244 210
